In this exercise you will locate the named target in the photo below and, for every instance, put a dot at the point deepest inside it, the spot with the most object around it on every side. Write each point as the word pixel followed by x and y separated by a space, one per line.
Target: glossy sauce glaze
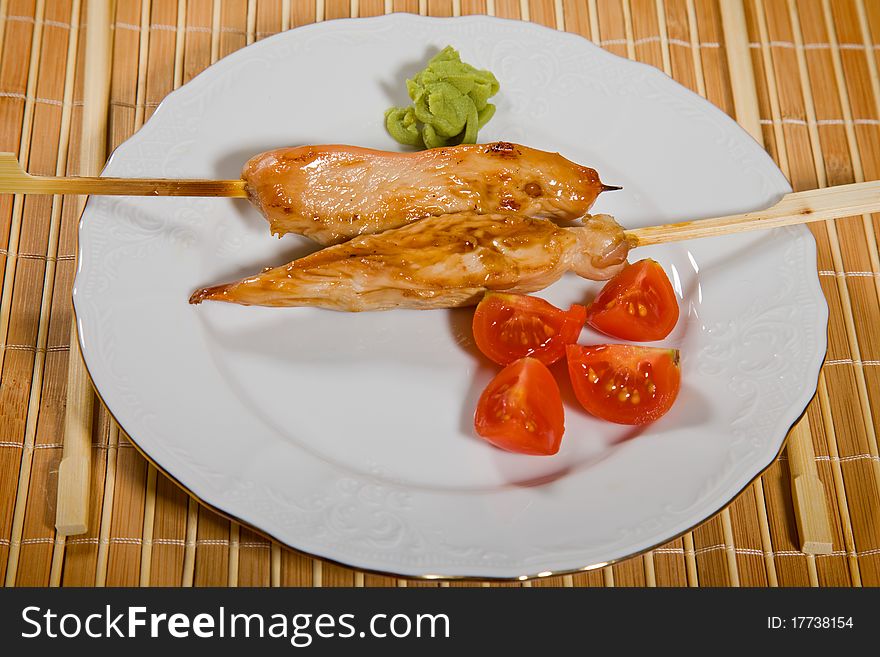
pixel 333 193
pixel 439 262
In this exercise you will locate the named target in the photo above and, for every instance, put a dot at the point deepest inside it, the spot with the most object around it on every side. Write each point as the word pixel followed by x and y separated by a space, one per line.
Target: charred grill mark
pixel 502 148
pixel 297 157
pixel 533 189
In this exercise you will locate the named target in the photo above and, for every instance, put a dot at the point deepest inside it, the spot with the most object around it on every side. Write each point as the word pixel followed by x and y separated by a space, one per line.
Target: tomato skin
pixel 638 304
pixel 521 410
pixel 512 326
pixel 623 383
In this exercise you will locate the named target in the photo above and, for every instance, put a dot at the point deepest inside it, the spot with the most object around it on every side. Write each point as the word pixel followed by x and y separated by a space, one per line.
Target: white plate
pixel 350 436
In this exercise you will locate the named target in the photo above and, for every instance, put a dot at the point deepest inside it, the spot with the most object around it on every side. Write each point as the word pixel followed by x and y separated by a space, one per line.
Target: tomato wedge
pixel 638 304
pixel 521 410
pixel 512 326
pixel 624 383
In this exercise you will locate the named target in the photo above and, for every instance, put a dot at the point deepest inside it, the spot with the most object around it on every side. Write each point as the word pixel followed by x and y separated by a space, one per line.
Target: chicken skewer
pixel 451 261
pixel 333 193
pixel 438 262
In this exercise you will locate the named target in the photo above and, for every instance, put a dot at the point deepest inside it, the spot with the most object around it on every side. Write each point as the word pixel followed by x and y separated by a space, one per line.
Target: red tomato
pixel 624 383
pixel 512 326
pixel 521 409
pixel 638 304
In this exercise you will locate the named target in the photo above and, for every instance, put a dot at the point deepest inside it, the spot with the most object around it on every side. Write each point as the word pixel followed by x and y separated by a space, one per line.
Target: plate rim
pixel 823 310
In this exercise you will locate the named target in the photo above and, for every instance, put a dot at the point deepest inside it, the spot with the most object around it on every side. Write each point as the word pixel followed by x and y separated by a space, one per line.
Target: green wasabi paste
pixel 450 104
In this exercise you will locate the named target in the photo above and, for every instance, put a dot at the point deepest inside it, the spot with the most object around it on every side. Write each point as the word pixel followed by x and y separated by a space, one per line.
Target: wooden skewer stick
pixel 14 179
pixel 795 208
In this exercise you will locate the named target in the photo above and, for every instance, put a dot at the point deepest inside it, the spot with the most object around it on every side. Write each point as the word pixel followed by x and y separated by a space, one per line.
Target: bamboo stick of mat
pixel 17 231
pixel 74 472
pixel 808 493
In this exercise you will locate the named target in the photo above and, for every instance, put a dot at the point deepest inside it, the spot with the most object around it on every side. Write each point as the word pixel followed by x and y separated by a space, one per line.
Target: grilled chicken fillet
pixel 333 193
pixel 439 262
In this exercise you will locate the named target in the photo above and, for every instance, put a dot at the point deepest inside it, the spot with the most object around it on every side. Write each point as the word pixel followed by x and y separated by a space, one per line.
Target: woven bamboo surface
pixel 815 66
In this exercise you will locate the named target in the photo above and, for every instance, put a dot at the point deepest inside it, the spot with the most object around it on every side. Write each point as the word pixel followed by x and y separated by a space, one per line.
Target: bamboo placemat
pixel 815 65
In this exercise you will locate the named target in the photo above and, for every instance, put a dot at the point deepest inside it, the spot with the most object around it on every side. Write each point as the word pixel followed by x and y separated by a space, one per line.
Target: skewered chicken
pixel 439 262
pixel 334 193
